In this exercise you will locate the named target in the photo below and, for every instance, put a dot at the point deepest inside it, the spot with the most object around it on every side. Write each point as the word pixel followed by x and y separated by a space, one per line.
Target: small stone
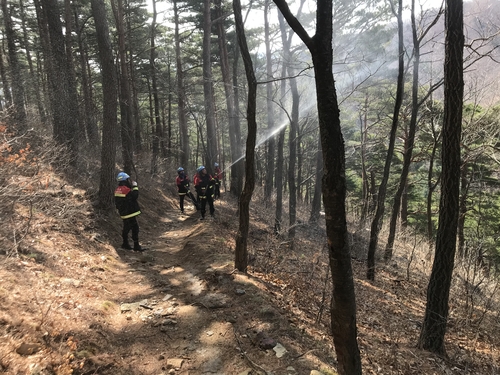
pixel 28 349
pixel 175 363
pixel 267 343
pixel 280 350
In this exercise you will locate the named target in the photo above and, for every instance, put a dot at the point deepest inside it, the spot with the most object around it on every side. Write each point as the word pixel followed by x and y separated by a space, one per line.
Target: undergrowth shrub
pixel 28 163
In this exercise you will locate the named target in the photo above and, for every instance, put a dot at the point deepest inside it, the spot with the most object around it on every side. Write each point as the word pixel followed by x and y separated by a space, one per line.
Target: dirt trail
pixel 73 302
pixel 184 310
pixel 196 315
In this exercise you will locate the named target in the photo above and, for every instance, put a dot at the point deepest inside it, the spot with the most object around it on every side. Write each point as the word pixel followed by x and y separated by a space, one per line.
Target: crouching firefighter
pixel 126 195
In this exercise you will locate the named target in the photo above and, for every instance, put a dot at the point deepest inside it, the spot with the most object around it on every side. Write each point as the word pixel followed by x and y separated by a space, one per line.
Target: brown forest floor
pixel 72 302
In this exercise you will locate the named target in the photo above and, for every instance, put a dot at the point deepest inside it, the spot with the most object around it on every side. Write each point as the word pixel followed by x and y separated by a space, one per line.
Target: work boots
pixel 125 245
pixel 138 247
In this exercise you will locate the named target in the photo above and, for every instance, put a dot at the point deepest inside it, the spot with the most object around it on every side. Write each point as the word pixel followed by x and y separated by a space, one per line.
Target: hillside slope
pixel 73 302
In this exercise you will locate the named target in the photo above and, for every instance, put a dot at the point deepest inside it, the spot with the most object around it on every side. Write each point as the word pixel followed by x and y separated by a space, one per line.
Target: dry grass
pixel 59 272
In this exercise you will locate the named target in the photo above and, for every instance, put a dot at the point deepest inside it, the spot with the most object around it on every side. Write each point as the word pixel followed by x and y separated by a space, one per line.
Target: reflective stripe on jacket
pixel 126 201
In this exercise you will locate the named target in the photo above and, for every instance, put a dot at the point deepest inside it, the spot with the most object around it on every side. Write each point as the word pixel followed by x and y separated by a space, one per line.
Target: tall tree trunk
pixel 379 213
pixel 316 202
pixel 64 108
pixel 211 154
pixel 292 144
pixel 157 131
pixel 238 166
pixel 181 92
pixel 431 186
pixel 278 217
pixel 135 124
pixel 5 81
pixel 76 114
pixel 35 79
pixel 438 291
pixel 280 159
pixel 89 116
pixel 47 70
pixel 126 126
pixel 233 125
pixel 109 95
pixel 169 112
pixel 343 304
pixel 241 247
pixel 409 139
pixel 464 189
pixel 363 123
pixel 17 81
pixel 292 139
pixel 271 143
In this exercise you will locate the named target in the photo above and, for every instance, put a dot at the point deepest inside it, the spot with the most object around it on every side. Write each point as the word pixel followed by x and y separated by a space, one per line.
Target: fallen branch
pixel 254 365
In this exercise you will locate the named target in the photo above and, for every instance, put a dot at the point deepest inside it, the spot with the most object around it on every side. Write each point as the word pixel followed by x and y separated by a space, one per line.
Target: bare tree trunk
pixel 5 81
pixel 316 202
pixel 17 82
pixel 343 304
pixel 233 125
pixel 464 189
pixel 241 247
pixel 211 151
pixel 379 213
pixel 431 186
pixel 364 174
pixel 157 131
pixel 127 130
pixel 292 144
pixel 410 138
pixel 438 291
pixel 89 116
pixel 35 87
pixel 181 101
pixel 271 144
pixel 63 102
pixel 73 94
pixel 238 166
pixel 109 95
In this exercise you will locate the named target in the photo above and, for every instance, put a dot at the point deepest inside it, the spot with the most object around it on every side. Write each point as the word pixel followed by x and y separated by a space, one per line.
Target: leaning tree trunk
pixel 398 203
pixel 343 304
pixel 379 212
pixel 241 247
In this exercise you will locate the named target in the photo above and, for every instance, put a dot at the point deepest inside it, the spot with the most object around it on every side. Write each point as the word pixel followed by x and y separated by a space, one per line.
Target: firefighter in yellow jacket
pixel 126 195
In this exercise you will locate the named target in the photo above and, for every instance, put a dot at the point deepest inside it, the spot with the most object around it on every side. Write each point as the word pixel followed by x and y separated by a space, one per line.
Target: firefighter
pixel 126 195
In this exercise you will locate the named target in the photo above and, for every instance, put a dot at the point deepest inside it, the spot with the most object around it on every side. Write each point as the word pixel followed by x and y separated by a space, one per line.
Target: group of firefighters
pixel 207 189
